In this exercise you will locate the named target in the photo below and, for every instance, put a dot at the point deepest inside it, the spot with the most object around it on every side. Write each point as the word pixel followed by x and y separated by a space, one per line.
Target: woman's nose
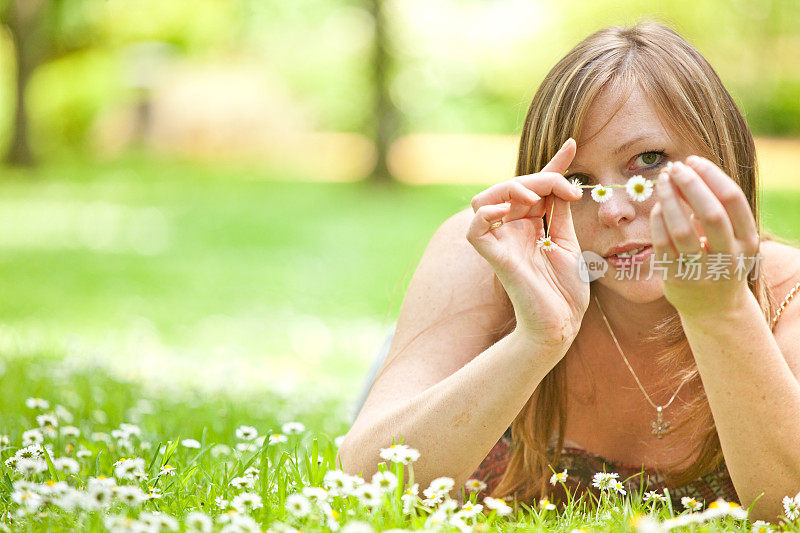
pixel 616 209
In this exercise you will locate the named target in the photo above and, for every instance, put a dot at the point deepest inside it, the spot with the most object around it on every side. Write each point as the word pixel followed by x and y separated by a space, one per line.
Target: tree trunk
pixel 385 113
pixel 21 19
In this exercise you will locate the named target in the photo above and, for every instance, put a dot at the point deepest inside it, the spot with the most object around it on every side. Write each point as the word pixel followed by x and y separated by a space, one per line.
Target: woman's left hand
pixel 707 260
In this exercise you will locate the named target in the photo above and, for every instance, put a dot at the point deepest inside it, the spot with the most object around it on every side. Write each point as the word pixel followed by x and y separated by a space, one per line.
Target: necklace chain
pixel 658 408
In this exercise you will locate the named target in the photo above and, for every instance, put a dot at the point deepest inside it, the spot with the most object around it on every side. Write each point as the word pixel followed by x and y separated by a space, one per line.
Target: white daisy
pixel 436 519
pixel 546 244
pixel 616 485
pixel 221 449
pixel 277 438
pixel 245 482
pixel 546 505
pixel 47 421
pixel 167 470
pixel 131 430
pixel 315 494
pixel 298 505
pixel 410 497
pixel 442 485
pixel 125 468
pixel 558 477
pixel 601 193
pixel 386 481
pixel 469 510
pixel 68 465
pixel 246 433
pixel 31 467
pixel 576 182
pixel 130 494
pixel 721 507
pixel 190 443
pixel 37 403
pixel 246 501
pixel 759 526
pixel 369 495
pixel 70 431
pixel 497 504
pixel 27 498
pixel 338 483
pixel 32 436
pixel 475 485
pixel 653 496
pixel 293 428
pixel 639 188
pixel 791 506
pixel 604 480
pixel 357 526
pixel 690 503
pixel 198 522
pixel 399 453
pixel 29 452
pixel 159 521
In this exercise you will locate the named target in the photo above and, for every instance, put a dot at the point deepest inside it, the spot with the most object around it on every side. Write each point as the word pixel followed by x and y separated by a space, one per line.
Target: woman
pixel 690 382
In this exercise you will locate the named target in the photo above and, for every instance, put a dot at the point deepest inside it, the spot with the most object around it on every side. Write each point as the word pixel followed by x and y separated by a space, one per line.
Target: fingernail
pixel 564 145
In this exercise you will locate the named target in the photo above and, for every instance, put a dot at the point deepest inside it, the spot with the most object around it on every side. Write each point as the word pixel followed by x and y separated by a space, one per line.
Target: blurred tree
pixel 385 112
pixel 40 30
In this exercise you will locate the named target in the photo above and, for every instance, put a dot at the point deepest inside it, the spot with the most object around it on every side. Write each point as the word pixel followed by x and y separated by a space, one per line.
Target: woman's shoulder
pixel 781 262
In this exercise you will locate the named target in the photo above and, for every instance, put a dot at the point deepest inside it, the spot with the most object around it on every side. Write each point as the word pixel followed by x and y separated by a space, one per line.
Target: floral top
pixel 581 465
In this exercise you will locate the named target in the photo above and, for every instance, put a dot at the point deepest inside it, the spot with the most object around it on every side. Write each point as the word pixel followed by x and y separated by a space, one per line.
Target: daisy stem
pixel 550 218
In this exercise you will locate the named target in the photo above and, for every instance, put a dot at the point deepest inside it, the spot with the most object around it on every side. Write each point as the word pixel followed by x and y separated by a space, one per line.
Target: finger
pixel 662 243
pixel 560 162
pixel 706 207
pixel 677 222
pixel 480 226
pixel 509 191
pixel 730 195
pixel 545 183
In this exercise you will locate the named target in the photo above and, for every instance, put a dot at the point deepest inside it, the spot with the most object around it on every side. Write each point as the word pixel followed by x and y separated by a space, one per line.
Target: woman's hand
pixel 722 241
pixel 545 288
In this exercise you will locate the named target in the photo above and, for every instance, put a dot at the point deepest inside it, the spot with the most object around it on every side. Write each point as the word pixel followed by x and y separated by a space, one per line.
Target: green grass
pixel 221 296
pixel 95 403
pixel 235 261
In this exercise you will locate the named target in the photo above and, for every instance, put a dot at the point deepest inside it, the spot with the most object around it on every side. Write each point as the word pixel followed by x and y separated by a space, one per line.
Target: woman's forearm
pixel 754 398
pixel 456 422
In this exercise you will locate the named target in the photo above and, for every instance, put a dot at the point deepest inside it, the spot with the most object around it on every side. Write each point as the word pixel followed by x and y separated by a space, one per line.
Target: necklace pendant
pixel 659 425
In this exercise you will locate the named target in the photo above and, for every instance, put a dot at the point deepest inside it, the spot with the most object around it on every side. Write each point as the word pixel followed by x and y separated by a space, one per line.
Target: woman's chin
pixel 640 291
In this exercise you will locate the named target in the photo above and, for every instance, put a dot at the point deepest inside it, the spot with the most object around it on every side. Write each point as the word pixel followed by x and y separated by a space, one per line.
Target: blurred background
pixel 235 193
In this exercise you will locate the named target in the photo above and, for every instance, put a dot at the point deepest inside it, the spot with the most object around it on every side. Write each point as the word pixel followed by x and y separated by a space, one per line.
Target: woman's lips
pixel 627 262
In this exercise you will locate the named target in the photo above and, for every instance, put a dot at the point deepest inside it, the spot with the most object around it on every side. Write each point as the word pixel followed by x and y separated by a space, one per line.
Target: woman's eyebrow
pixel 634 140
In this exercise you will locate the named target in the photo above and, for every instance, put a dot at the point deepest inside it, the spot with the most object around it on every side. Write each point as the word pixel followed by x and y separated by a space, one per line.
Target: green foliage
pixel 321 53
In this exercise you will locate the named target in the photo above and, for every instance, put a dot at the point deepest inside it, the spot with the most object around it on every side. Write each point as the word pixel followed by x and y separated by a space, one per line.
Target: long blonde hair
pixel 693 102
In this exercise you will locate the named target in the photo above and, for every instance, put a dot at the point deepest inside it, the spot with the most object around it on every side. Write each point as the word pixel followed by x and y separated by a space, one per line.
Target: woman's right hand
pixel 545 288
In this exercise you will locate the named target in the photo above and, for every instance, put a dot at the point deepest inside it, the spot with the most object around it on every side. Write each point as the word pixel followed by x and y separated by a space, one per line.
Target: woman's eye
pixel 650 158
pixel 583 180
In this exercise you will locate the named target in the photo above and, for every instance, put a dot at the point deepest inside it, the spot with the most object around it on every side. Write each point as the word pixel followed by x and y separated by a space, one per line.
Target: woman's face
pixel 632 142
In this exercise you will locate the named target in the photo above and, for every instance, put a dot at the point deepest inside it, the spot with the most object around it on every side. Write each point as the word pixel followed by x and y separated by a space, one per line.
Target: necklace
pixel 659 425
